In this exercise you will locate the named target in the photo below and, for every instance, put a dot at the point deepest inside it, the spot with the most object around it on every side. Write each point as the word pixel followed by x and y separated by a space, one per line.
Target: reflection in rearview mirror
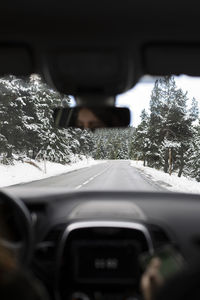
pixel 92 117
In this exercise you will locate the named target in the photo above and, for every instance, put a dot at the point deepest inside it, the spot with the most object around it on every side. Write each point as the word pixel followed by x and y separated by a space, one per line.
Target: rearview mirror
pixel 91 117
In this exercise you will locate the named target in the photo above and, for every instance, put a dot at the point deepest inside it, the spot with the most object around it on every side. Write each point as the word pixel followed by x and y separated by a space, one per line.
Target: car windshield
pixel 159 151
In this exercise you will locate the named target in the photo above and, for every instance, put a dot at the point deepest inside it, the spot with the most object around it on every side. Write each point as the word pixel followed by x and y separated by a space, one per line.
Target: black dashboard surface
pixel 88 244
pixel 176 214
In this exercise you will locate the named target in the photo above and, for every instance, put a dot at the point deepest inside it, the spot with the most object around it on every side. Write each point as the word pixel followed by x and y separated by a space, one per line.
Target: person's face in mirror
pixel 86 119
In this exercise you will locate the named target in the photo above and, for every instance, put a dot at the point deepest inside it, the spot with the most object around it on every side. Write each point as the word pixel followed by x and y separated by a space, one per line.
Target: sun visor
pixel 167 59
pixel 15 60
pixel 105 72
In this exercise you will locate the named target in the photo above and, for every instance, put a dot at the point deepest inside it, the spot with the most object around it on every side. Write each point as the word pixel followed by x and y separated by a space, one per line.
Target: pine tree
pixel 26 119
pixel 194 110
pixel 155 126
pixel 141 139
pixel 113 143
pixel 170 126
pixel 193 155
pixel 11 114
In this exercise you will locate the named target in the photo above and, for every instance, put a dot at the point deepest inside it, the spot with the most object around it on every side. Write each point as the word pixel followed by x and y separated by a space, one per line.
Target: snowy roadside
pixel 26 172
pixel 172 183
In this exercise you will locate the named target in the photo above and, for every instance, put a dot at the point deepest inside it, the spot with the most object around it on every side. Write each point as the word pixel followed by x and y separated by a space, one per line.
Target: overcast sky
pixel 138 97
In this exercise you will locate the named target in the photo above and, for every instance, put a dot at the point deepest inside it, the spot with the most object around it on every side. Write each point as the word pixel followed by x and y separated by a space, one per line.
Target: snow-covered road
pixel 97 175
pixel 111 175
pixel 33 171
pixel 172 183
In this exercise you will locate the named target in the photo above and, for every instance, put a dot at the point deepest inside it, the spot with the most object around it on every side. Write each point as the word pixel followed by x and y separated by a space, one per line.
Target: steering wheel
pixel 16 232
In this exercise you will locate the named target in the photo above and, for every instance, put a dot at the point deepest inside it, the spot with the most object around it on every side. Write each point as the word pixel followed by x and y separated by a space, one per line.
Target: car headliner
pixel 125 39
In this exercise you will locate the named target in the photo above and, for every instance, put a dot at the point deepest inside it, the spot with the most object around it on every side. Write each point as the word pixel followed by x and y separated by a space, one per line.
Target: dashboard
pixel 87 245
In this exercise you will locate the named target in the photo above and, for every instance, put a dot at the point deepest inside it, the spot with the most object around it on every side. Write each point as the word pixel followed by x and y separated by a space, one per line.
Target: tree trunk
pixel 9 153
pixel 166 165
pixel 144 161
pixel 34 153
pixel 170 161
pixel 181 164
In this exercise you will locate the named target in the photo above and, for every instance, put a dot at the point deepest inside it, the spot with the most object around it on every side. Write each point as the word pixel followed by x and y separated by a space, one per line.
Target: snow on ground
pixel 25 172
pixel 172 183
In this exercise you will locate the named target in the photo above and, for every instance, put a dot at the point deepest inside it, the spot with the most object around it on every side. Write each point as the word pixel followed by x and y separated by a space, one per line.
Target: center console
pixel 99 260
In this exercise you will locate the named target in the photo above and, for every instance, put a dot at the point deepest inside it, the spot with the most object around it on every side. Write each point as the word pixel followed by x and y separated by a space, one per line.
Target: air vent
pixel 45 257
pixel 159 236
pixel 46 250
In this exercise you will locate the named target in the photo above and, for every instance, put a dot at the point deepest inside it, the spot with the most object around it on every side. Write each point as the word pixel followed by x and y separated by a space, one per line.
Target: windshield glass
pixel 160 151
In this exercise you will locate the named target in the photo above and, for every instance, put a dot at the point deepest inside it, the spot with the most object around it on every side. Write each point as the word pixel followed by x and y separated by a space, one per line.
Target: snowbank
pixel 25 172
pixel 172 183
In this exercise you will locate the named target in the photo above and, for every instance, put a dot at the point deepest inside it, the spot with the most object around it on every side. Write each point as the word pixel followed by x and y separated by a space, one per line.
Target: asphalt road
pixel 111 175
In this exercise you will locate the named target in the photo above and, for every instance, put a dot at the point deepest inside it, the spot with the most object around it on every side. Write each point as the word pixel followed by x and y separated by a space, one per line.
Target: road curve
pixel 111 175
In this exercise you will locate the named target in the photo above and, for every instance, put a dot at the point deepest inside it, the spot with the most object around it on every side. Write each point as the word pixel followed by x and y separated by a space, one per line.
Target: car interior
pixel 88 244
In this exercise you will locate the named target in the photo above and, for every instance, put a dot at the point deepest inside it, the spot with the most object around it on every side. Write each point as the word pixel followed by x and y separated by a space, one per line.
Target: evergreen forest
pixel 167 138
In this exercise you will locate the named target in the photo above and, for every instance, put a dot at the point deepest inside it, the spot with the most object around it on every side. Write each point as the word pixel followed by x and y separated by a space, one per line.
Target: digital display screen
pixel 105 261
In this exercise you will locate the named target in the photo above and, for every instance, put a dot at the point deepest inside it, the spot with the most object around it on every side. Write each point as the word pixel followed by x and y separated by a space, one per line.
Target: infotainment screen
pixel 105 261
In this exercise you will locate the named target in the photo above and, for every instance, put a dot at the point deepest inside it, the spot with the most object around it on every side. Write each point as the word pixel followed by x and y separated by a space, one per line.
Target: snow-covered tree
pixel 194 110
pixel 193 156
pixel 26 119
pixel 155 125
pixel 171 122
pixel 141 139
pixel 115 143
